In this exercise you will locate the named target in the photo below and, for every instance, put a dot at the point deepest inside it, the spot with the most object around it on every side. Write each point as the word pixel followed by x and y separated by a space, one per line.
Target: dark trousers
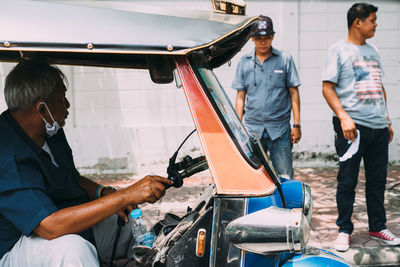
pixel 373 149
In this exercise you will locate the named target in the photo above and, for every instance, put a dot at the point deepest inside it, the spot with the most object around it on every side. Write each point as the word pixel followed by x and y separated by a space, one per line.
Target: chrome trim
pixel 90 46
pixel 307 202
pixel 214 231
pixel 269 231
pixel 224 253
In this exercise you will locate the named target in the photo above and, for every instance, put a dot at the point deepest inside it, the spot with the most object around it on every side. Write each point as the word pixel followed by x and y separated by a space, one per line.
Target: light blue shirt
pixel 357 72
pixel 267 103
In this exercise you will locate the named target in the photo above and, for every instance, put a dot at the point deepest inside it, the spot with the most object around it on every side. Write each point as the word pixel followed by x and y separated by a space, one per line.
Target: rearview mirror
pixel 160 68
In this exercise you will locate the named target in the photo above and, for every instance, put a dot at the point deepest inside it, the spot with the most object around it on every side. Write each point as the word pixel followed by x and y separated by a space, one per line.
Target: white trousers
pixel 69 250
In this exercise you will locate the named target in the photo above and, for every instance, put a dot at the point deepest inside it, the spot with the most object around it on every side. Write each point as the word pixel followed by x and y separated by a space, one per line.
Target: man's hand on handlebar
pixel 150 188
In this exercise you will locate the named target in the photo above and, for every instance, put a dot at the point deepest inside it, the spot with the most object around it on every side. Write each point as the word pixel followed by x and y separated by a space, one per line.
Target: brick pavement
pixel 363 252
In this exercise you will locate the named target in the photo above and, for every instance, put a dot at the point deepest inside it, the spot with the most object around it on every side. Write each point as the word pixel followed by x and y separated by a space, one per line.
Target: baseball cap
pixel 265 26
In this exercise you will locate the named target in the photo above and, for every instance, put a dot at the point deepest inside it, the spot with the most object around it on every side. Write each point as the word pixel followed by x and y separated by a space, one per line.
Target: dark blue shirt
pixel 267 104
pixel 31 187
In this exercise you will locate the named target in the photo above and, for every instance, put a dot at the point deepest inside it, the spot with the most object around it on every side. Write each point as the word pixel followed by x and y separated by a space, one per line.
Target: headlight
pixel 270 230
pixel 305 231
pixel 307 202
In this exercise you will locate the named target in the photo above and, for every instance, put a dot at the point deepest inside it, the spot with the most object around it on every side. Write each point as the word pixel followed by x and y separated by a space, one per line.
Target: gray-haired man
pixel 50 215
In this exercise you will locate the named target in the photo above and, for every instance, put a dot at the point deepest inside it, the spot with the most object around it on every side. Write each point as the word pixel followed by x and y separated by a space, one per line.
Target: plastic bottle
pixel 141 229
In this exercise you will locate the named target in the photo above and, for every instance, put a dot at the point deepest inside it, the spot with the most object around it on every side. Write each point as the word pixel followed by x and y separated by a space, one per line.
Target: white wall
pixel 120 113
pixel 121 121
pixel 321 24
pixel 306 29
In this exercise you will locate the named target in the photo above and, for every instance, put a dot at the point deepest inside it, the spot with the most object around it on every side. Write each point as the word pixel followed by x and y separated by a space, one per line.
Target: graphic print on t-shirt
pixel 368 77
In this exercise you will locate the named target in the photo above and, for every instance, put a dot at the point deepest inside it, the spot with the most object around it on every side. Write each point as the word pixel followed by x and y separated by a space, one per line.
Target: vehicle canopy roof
pixel 115 34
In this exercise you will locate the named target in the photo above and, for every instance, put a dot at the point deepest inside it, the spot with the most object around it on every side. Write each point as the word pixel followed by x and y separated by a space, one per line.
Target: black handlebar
pixel 189 166
pixel 188 162
pixel 199 164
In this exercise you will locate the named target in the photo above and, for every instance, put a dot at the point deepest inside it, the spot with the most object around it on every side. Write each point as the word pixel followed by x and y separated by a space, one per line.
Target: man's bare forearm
pixel 328 91
pixel 295 102
pixel 240 102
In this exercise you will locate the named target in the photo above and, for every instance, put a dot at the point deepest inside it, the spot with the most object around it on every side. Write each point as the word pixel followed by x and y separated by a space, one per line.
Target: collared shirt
pixel 267 104
pixel 31 187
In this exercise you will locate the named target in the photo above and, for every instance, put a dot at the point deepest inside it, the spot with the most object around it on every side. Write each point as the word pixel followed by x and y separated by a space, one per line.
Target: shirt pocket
pixel 278 78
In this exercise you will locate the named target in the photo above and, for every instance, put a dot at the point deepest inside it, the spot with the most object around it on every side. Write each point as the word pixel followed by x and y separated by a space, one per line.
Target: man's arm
pixel 240 101
pixel 81 217
pixel 295 133
pixel 346 122
pixel 89 186
pixel 391 132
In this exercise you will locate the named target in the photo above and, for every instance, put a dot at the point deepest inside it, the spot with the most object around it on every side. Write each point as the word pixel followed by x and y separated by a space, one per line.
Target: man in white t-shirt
pixel 352 87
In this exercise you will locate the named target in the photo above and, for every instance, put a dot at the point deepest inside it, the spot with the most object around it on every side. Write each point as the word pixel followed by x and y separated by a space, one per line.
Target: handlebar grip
pixel 198 167
pixel 177 179
pixel 187 162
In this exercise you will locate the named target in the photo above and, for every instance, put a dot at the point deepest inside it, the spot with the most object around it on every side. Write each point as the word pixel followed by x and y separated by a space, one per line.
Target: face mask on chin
pixel 50 129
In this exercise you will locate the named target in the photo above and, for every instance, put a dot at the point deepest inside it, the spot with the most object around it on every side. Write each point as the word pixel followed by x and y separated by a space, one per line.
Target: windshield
pixel 226 111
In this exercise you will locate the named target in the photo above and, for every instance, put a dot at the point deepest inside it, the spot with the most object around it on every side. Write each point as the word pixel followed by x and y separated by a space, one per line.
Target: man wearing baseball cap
pixel 267 84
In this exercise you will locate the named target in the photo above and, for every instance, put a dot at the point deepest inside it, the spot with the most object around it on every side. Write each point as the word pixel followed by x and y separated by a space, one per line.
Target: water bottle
pixel 141 230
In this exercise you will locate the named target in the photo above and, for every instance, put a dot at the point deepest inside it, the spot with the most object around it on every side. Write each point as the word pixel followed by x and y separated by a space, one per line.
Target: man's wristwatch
pixel 296 125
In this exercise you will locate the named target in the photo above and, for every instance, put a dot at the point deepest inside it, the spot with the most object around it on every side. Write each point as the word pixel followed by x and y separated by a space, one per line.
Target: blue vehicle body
pixel 293 192
pixel 220 252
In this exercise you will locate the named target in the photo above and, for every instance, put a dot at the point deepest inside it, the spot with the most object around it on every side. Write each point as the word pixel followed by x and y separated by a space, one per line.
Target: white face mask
pixel 50 129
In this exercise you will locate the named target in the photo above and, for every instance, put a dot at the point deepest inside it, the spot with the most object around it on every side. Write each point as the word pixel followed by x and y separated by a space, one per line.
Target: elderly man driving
pixel 50 215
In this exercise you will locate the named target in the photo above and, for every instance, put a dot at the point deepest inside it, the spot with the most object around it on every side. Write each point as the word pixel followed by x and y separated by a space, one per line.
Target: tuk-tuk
pixel 248 216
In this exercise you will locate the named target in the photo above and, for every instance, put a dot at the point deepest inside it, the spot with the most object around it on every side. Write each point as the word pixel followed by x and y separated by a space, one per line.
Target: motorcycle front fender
pixel 313 257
